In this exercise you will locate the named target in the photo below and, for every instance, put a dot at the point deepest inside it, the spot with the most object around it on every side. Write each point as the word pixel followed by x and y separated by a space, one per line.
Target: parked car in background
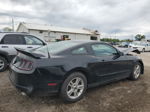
pixel 113 43
pixel 124 44
pixel 141 46
pixel 68 68
pixel 10 40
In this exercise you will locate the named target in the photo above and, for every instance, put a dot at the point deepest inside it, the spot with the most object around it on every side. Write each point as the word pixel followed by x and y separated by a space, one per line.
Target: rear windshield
pixel 57 46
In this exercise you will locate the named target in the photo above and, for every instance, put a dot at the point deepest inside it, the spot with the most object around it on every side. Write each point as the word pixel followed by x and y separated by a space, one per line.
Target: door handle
pixel 103 60
pixel 4 46
pixel 29 47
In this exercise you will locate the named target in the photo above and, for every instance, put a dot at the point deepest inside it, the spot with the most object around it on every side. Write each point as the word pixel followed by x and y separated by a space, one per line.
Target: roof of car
pixel 85 41
pixel 2 34
pixel 69 45
pixel 13 33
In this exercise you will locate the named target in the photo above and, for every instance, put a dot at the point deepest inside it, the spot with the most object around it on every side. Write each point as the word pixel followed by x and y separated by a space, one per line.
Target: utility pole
pixel 12 24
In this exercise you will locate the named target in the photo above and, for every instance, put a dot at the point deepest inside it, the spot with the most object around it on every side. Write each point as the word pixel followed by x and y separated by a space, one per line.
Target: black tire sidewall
pixel 5 64
pixel 63 92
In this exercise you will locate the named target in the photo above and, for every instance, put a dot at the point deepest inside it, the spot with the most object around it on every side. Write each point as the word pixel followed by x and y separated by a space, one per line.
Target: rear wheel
pixel 143 50
pixel 74 87
pixel 136 72
pixel 3 64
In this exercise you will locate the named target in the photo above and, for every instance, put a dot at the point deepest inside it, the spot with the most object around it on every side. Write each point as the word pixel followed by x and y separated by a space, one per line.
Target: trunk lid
pixel 33 53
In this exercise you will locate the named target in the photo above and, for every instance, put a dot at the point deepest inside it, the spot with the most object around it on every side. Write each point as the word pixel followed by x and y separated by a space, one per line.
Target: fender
pixel 85 71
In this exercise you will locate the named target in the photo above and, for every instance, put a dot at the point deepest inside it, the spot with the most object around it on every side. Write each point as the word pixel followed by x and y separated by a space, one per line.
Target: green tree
pixel 139 37
pixel 127 40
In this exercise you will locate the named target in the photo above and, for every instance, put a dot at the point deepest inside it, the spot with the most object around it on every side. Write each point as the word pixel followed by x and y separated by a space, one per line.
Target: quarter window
pixel 80 50
pixel 31 40
pixel 103 50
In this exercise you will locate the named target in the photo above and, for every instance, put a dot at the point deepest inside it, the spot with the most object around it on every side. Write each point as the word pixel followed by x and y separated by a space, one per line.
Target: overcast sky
pixel 116 18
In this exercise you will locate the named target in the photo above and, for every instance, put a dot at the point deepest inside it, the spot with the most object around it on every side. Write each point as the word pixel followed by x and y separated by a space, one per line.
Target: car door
pixel 33 42
pixel 12 41
pixel 109 64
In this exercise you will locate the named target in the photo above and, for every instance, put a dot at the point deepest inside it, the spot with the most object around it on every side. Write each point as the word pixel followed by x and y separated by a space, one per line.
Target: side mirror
pixel 117 55
pixel 44 43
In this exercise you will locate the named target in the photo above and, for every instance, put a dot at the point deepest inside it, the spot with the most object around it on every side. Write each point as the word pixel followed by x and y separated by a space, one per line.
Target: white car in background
pixel 141 46
pixel 11 40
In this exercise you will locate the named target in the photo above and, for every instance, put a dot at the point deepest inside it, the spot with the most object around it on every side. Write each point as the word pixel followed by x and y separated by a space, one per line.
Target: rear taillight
pixel 24 64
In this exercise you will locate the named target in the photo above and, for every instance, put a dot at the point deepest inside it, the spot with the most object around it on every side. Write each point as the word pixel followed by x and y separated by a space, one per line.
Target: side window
pixel 31 40
pixel 81 50
pixel 13 39
pixel 103 50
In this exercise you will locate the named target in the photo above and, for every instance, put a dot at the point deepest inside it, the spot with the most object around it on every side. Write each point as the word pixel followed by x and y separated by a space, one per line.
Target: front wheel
pixel 136 72
pixel 74 87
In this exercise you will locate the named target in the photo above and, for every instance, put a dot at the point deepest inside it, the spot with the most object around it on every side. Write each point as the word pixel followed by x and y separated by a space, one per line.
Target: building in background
pixel 54 33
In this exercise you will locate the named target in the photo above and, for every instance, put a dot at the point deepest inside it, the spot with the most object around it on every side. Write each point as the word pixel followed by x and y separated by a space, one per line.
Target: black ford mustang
pixel 70 67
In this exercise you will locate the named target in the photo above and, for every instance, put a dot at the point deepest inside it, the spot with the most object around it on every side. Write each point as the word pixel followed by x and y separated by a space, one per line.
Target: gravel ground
pixel 121 96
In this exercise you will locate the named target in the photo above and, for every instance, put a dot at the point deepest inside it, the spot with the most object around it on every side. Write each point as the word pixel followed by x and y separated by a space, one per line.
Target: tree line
pixel 138 37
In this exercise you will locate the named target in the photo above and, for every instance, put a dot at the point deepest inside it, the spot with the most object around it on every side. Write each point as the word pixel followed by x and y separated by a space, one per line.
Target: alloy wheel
pixel 75 88
pixel 2 64
pixel 137 71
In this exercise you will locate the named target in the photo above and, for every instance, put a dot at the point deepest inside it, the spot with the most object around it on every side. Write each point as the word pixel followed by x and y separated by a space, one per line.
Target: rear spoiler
pixel 33 55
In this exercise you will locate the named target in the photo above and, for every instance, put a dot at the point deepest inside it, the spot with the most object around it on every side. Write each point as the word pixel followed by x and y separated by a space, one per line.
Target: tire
pixel 3 64
pixel 136 74
pixel 143 50
pixel 66 87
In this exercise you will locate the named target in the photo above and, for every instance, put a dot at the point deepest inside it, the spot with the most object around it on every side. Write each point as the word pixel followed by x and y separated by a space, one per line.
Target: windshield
pixel 57 47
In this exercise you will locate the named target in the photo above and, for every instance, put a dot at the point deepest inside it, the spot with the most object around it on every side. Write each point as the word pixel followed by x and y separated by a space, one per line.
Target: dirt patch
pixel 121 96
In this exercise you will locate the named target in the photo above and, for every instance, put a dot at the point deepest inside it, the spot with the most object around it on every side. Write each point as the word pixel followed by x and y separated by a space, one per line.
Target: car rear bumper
pixel 33 84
